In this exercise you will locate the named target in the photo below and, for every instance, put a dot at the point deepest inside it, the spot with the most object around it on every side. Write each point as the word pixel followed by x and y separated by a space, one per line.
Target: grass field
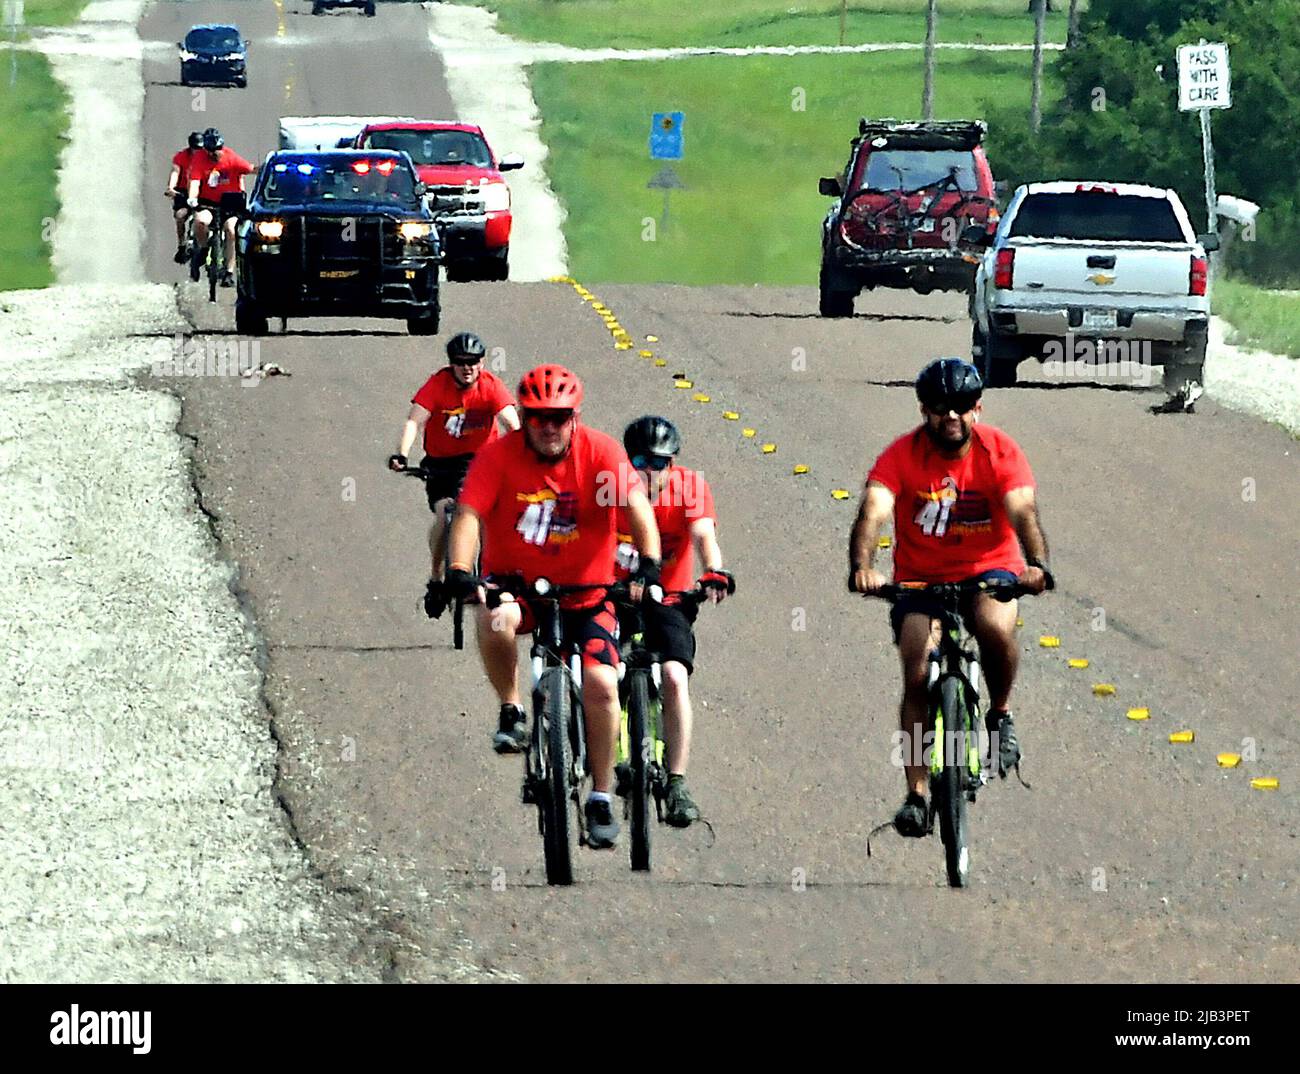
pixel 1266 320
pixel 752 212
pixel 33 117
pixel 647 23
pixel 52 12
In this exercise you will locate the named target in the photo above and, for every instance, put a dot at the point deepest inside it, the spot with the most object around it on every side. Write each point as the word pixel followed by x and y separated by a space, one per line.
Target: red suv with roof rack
pixel 464 188
pixel 908 193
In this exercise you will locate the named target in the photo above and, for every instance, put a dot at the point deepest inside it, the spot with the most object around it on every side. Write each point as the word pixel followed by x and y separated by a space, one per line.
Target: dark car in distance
pixel 214 55
pixel 367 6
pixel 909 193
pixel 340 233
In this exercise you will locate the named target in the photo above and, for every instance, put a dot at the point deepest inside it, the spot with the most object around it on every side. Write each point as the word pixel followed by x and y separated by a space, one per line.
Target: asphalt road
pixel 1130 858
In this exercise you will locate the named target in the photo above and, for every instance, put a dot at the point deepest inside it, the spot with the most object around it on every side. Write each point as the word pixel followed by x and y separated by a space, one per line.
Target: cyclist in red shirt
pixel 544 501
pixel 687 521
pixel 963 503
pixel 217 192
pixel 178 185
pixel 469 403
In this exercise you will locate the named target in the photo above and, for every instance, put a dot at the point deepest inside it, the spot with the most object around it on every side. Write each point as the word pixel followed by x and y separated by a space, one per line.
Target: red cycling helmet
pixel 550 387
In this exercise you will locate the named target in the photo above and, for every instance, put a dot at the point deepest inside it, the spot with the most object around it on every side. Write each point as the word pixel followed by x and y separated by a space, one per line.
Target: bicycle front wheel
pixel 950 791
pixel 556 765
pixel 641 747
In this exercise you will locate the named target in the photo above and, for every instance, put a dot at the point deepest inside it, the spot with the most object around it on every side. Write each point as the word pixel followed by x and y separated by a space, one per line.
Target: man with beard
pixel 962 499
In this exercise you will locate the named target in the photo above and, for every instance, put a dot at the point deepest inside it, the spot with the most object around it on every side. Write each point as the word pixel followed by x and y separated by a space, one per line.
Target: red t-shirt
pixel 220 176
pixel 184 160
pixel 684 499
pixel 949 519
pixel 553 520
pixel 461 420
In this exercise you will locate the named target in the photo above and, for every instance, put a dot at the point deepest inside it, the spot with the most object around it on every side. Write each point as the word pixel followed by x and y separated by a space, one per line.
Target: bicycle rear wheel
pixel 197 253
pixel 641 746
pixel 555 767
pixel 949 793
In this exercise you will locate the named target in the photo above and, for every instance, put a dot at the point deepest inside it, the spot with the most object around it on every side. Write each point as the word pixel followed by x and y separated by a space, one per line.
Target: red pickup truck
pixel 464 188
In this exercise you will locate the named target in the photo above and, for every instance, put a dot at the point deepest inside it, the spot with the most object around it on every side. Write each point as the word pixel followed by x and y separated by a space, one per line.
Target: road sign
pixel 666 135
pixel 1204 78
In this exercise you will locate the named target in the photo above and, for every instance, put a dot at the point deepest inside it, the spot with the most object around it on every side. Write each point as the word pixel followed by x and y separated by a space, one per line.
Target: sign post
pixel 666 144
pixel 1205 82
pixel 13 19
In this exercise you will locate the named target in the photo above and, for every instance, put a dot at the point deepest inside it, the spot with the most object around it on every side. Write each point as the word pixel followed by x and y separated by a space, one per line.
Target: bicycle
pixel 957 770
pixel 640 772
pixel 457 605
pixel 555 761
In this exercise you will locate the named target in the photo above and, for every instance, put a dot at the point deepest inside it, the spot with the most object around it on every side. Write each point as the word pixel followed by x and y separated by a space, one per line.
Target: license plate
pixel 927 224
pixel 1099 319
pixel 339 274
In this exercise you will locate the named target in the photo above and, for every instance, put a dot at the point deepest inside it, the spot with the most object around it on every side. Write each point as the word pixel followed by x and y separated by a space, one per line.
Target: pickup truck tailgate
pixel 1102 269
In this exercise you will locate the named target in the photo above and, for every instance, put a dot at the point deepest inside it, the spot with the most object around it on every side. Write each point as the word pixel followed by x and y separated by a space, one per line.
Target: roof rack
pixel 921 134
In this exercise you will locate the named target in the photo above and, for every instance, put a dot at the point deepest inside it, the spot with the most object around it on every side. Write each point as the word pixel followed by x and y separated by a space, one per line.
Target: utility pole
pixel 931 21
pixel 1072 33
pixel 844 14
pixel 1036 97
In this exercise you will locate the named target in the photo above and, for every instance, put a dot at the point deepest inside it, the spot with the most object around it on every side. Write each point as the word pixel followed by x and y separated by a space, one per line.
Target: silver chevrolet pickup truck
pixel 1092 272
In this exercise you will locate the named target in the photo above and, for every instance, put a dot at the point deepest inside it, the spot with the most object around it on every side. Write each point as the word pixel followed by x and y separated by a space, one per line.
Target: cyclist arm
pixel 1022 509
pixel 641 516
pixel 173 179
pixel 704 533
pixel 414 425
pixel 465 530
pixel 508 419
pixel 193 192
pixel 874 510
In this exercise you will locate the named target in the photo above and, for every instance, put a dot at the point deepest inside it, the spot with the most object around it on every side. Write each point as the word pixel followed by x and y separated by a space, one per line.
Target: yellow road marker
pixel 646 354
pixel 661 361
pixel 769 449
pixel 1020 622
pixel 731 415
pixel 884 541
pixel 1228 760
pixel 683 384
pixel 652 339
pixel 801 470
pixel 1264 783
pixel 749 432
pixel 622 346
pixel 1047 641
pixel 840 494
pixel 1183 736
pixel 1139 714
pixel 1103 689
pixel 700 397
pixel 1077 662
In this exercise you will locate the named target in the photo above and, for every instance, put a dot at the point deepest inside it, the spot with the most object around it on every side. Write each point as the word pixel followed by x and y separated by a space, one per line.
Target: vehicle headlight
pixel 414 231
pixel 232 56
pixel 496 197
pixel 270 230
pixel 187 56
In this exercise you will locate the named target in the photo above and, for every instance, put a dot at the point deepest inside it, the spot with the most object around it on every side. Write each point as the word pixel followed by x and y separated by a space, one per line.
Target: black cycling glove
pixel 460 584
pixel 646 573
pixel 720 580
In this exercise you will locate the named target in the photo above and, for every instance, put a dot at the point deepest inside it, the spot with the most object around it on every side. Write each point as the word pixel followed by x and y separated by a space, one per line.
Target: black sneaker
pixel 435 600
pixel 680 809
pixel 512 732
pixel 1002 738
pixel 227 279
pixel 912 818
pixel 182 254
pixel 602 828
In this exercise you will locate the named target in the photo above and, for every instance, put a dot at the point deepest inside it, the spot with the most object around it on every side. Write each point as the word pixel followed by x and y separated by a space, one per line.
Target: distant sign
pixel 1204 80
pixel 13 13
pixel 666 135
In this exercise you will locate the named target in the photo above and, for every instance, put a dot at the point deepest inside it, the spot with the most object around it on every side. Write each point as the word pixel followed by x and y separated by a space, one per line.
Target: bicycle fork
pixel 942 748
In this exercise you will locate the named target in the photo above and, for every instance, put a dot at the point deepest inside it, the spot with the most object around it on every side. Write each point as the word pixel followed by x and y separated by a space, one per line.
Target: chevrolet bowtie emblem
pixel 1101 279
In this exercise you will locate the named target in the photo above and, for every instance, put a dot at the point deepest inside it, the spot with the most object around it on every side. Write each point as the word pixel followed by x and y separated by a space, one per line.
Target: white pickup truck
pixel 1092 271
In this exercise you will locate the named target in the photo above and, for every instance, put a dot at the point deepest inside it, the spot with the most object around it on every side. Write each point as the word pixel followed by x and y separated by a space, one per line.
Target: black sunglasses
pixel 962 404
pixel 650 462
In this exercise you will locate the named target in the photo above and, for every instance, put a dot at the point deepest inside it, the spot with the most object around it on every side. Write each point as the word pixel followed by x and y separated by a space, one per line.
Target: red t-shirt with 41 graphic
pixel 950 522
pixel 462 419
pixel 551 519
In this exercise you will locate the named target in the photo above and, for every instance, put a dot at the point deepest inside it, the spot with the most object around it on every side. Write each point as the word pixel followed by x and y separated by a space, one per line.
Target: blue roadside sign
pixel 666 135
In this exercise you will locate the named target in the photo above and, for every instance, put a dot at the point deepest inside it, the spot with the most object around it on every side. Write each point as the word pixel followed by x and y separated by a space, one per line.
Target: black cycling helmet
pixel 949 384
pixel 212 140
pixel 196 140
pixel 465 345
pixel 652 435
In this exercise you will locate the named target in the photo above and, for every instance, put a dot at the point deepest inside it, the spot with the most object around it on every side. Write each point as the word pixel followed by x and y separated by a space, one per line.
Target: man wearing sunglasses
pixel 961 496
pixel 544 501
pixel 467 404
pixel 687 522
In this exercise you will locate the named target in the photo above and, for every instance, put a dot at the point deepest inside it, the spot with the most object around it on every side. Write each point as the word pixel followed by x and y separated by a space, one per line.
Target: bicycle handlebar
pixel 998 589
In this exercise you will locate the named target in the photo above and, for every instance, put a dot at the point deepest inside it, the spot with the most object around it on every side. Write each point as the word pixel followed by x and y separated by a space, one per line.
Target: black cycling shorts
pixel 446 475
pixel 920 603
pixel 670 632
pixel 593 632
pixel 231 204
pixel 179 202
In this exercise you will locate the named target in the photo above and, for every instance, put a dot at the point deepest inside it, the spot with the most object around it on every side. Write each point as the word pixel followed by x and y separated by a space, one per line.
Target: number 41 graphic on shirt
pixel 535 523
pixel 933 517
